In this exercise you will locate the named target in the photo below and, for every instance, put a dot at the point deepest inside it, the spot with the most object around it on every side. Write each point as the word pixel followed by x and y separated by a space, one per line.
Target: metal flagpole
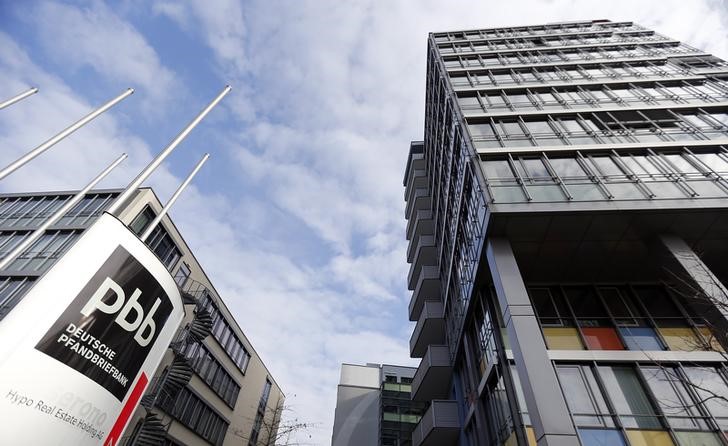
pixel 171 201
pixel 51 142
pixel 18 98
pixel 35 235
pixel 134 185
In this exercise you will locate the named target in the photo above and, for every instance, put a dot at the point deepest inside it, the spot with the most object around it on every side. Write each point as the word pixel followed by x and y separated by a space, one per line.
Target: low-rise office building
pixel 211 386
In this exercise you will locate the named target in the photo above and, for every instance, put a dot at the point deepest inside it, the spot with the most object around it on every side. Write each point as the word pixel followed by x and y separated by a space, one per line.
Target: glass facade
pixel 629 317
pixel 19 216
pixel 260 414
pixel 210 370
pixel 645 404
pixel 652 174
pixel 539 142
pixel 224 334
pixel 603 127
pixel 159 241
pixel 192 411
pixel 398 413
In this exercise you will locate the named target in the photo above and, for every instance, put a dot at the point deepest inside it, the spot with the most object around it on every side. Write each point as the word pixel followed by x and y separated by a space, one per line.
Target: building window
pixel 585 400
pixel 255 432
pixel 225 336
pixel 12 290
pixel 710 386
pixel 595 176
pixel 142 221
pixel 675 398
pixel 265 395
pixel 41 254
pixel 32 211
pixel 640 317
pixel 183 273
pixel 629 398
pixel 681 403
pixel 193 412
pixel 212 372
pixel 159 241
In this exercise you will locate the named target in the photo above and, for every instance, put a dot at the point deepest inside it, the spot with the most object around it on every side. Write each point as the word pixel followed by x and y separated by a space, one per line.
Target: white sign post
pixel 77 352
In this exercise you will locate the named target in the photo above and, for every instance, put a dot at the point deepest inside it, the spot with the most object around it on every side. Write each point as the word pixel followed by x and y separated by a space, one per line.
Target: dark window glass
pixel 183 273
pixel 141 221
pixel 194 413
pixel 212 372
pixel 588 310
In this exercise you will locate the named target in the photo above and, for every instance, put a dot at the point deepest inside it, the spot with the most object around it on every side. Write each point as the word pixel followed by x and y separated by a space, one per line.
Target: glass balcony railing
pixel 679 174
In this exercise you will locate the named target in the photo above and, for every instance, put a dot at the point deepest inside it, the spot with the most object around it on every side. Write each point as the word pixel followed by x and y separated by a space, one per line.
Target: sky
pixel 298 217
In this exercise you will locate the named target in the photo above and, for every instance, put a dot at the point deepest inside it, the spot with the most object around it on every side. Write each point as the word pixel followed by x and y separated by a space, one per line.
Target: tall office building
pixel 374 406
pixel 567 217
pixel 211 387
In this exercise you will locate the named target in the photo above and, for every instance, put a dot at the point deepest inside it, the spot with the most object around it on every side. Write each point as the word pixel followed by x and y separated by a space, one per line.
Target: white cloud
pixel 94 37
pixel 338 95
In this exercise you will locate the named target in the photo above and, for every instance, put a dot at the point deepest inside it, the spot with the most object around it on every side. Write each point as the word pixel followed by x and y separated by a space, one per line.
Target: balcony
pixel 425 254
pixel 420 200
pixel 422 224
pixel 417 178
pixel 439 426
pixel 415 161
pixel 432 379
pixel 430 328
pixel 427 287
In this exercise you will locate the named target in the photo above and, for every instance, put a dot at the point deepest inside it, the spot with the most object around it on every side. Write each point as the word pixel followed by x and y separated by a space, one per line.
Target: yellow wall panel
pixel 649 438
pixel 562 338
pixel 681 338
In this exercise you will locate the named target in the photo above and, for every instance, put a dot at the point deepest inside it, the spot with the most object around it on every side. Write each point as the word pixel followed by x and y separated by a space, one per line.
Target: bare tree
pixel 278 426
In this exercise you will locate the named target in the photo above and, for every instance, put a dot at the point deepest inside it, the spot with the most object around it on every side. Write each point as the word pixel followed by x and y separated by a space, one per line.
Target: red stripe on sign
pixel 127 410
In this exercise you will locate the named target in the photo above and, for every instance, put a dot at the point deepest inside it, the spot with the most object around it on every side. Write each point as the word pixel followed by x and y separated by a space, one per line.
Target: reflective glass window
pixel 629 397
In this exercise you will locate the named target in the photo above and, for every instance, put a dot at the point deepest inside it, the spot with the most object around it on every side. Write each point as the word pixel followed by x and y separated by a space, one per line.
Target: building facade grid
pixel 565 217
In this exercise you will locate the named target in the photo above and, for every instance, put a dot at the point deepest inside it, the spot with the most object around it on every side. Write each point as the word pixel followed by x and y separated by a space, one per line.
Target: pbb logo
pixel 143 325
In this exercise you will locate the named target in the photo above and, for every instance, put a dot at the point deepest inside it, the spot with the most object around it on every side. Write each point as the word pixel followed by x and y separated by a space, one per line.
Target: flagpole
pixel 171 201
pixel 12 167
pixel 35 235
pixel 18 98
pixel 143 175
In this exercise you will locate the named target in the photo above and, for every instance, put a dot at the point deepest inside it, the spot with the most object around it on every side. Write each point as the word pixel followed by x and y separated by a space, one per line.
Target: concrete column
pixel 544 399
pixel 701 287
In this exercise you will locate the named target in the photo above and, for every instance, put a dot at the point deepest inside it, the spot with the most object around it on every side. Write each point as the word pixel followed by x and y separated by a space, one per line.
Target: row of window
pixel 599 128
pixel 159 241
pixel 260 414
pixel 557 56
pixel 680 92
pixel 587 176
pixel 621 405
pixel 212 372
pixel 226 337
pixel 12 290
pixel 572 73
pixel 644 318
pixel 41 254
pixel 193 412
pixel 32 211
pixel 394 414
pixel 525 31
pixel 546 42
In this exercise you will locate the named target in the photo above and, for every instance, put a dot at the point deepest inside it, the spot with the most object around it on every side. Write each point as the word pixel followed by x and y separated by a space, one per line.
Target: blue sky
pixel 298 217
